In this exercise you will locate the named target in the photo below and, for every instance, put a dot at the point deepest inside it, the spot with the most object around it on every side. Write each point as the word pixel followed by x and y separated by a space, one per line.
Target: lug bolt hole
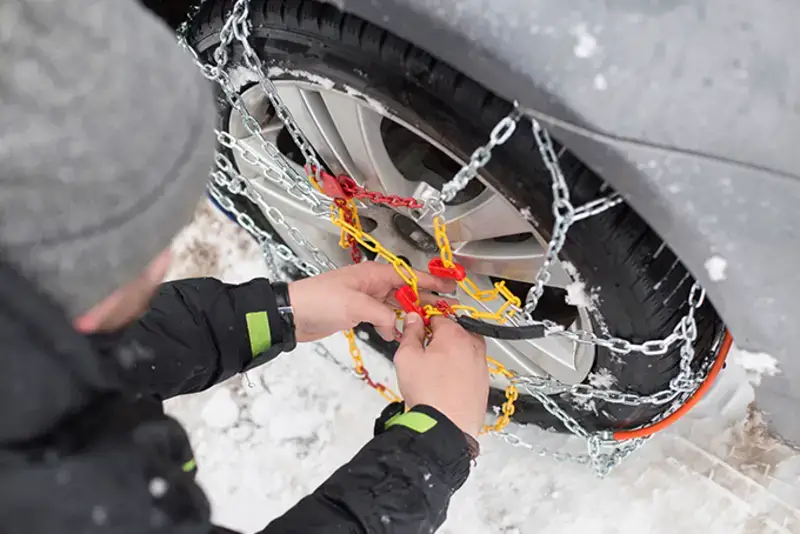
pixel 368 223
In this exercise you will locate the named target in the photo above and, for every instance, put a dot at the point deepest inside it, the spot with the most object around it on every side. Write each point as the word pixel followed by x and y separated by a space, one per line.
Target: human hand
pixel 450 374
pixel 362 293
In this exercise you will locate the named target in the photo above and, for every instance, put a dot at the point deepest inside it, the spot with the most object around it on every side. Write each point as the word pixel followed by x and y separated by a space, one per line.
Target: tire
pixel 640 285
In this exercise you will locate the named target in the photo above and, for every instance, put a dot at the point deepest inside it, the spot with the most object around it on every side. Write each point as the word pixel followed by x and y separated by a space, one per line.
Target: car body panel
pixel 689 108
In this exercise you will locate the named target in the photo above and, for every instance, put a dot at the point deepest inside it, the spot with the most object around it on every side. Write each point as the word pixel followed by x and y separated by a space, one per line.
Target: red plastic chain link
pixel 355 191
pixel 409 302
pixel 343 186
pixel 445 308
pixel 456 272
pixel 370 382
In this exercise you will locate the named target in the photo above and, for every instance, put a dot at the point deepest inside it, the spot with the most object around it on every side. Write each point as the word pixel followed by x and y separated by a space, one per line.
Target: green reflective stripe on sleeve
pixel 189 466
pixel 416 421
pixel 258 331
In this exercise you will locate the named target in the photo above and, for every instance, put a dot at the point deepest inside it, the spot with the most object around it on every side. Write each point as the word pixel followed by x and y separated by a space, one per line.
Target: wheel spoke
pixel 512 358
pixel 512 261
pixel 557 356
pixel 359 129
pixel 486 216
pixel 257 106
pixel 275 195
pixel 269 132
pixel 322 238
pixel 311 113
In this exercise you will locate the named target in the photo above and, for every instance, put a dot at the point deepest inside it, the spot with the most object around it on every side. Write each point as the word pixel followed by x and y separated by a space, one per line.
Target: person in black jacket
pixel 104 146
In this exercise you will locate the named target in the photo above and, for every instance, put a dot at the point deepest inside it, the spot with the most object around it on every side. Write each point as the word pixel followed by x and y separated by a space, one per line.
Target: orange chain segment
pixel 361 370
pixel 349 213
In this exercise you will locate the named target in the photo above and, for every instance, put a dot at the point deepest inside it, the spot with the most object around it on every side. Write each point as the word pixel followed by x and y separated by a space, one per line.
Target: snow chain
pixel 334 197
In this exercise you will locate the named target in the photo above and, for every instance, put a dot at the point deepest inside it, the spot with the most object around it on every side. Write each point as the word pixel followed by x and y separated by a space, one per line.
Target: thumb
pixel 413 332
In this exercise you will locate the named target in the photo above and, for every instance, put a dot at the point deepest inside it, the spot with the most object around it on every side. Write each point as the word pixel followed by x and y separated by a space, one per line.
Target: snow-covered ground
pixel 264 441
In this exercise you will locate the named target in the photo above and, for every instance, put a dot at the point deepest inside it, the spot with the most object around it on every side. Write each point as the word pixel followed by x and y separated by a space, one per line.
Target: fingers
pixel 380 279
pixel 443 327
pixel 430 298
pixel 446 331
pixel 365 309
pixel 424 298
pixel 413 333
pixel 376 278
pixel 434 283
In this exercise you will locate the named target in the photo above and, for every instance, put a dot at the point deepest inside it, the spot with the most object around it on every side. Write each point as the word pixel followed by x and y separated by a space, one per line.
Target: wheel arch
pixel 172 12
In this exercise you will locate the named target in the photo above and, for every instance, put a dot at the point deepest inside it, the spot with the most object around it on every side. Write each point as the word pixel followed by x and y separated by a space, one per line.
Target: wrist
pixel 300 311
pixel 287 335
pixel 457 415
pixel 469 439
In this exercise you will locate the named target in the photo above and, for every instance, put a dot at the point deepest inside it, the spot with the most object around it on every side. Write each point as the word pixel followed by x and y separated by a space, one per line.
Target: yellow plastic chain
pixel 373 245
pixel 512 394
pixel 507 309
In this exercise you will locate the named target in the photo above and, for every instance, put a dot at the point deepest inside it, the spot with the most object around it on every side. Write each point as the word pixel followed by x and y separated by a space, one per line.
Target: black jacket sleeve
pixel 399 483
pixel 197 333
pixel 78 454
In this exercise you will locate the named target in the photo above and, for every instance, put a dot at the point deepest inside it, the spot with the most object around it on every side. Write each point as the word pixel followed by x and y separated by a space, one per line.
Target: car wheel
pixel 379 109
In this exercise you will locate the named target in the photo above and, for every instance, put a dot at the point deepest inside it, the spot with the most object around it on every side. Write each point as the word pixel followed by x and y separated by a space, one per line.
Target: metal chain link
pixel 563 211
pixel 226 175
pixel 241 29
pixel 603 452
pixel 596 207
pixel 516 441
pixel 276 168
pixel 263 238
pixel 501 133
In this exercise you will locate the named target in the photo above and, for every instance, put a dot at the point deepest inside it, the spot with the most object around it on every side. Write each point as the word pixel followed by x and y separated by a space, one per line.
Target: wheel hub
pixel 414 234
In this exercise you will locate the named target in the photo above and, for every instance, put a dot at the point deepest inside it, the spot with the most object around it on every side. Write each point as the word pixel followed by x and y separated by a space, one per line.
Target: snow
pixel 602 379
pixel 717 471
pixel 377 106
pixel 314 78
pixel 577 296
pixel 586 44
pixel 220 411
pixel 241 76
pixel 321 81
pixel 600 82
pixel 755 364
pixel 715 266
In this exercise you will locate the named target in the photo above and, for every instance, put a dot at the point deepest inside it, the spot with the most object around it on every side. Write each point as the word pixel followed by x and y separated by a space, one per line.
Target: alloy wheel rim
pixel 358 136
